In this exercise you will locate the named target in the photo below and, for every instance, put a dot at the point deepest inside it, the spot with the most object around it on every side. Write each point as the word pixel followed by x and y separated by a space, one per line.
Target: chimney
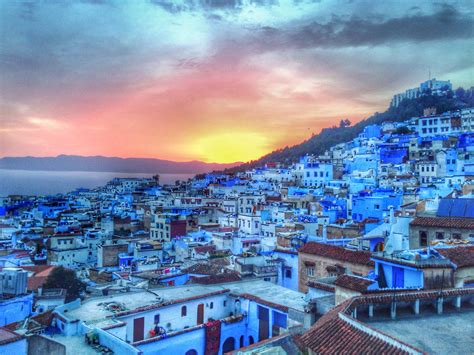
pixel 392 215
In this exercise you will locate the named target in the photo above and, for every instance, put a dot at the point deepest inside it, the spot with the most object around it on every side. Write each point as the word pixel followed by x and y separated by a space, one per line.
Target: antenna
pixel 429 73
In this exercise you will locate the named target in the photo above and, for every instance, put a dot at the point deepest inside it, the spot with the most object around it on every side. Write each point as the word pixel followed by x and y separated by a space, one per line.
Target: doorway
pixel 200 314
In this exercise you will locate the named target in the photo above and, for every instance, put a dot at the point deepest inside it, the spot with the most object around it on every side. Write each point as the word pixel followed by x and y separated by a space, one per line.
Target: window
pixel 225 303
pixel 423 239
pixel 211 305
pixel 288 273
pixel 439 235
pixel 184 311
pixel 157 318
pixel 310 271
pixel 456 236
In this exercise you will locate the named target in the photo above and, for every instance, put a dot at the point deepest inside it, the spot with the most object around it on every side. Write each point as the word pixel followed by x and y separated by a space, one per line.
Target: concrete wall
pixel 320 268
pixel 107 255
pixel 192 340
pixel 343 294
pixel 465 273
pixel 119 332
pixel 117 345
pixel 38 344
pixel 431 232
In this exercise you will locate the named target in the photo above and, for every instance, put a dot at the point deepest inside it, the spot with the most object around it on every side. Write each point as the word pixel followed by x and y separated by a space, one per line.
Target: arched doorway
pixel 251 341
pixel 241 344
pixel 229 345
pixel 191 352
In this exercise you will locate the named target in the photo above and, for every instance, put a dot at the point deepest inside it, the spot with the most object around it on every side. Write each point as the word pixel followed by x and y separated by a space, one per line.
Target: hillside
pixel 329 137
pixel 108 164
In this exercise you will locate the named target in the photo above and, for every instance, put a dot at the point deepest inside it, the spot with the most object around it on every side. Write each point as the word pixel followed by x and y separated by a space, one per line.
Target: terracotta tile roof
pixel 217 279
pixel 337 253
pixel 337 332
pixel 204 269
pixel 40 320
pixel 37 268
pixel 462 256
pixel 332 334
pixel 7 336
pixel 205 249
pixel 40 274
pixel 321 286
pixel 406 296
pixel 352 282
pixel 444 222
pixel 36 282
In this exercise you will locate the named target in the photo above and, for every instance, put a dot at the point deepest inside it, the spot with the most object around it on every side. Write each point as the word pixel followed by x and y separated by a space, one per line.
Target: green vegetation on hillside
pixel 329 137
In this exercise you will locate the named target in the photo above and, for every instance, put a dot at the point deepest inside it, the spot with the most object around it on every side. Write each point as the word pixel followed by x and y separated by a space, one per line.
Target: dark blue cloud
pixel 444 24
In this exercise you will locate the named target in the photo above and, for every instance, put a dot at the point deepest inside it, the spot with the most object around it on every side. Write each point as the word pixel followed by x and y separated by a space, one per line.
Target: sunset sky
pixel 213 80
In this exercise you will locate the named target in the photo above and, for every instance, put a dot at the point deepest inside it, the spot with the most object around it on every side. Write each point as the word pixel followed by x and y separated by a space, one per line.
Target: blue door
pixel 398 279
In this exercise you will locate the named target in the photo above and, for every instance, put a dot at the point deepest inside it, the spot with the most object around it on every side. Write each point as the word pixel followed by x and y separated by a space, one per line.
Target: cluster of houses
pixel 350 251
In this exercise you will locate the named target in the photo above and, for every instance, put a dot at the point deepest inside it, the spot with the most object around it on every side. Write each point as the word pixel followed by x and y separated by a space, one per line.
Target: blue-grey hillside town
pixel 367 248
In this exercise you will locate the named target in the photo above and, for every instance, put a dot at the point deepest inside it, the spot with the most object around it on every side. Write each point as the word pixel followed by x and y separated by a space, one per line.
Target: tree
pixel 460 92
pixel 64 278
pixel 403 130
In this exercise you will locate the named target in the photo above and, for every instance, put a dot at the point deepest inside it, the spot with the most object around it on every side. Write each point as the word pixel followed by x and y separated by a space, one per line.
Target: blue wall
pixel 400 276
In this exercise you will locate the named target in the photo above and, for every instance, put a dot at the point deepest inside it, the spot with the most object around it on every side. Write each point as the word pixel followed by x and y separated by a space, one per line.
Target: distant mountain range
pixel 111 164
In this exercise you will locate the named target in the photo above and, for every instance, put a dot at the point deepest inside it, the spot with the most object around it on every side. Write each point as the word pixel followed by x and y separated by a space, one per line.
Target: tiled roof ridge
pixel 321 286
pixel 11 337
pixel 339 320
pixel 403 296
pixel 337 252
pixel 354 282
pixel 449 222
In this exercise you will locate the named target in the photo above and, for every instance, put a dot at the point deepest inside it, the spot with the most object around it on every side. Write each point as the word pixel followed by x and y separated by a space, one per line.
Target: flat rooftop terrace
pixel 448 333
pixel 96 308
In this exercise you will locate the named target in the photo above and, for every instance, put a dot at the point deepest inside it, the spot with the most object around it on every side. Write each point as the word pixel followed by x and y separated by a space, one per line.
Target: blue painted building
pixel 361 162
pixel 288 271
pixel 393 154
pixel 372 131
pixel 15 308
pixel 368 204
